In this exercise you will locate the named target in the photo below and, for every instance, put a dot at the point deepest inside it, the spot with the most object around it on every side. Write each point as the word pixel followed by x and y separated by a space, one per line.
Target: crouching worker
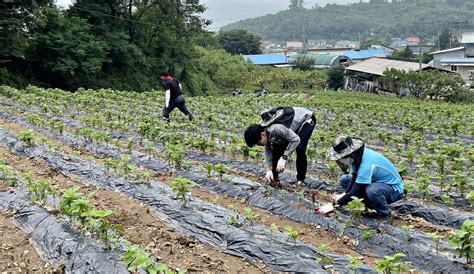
pixel 374 178
pixel 282 131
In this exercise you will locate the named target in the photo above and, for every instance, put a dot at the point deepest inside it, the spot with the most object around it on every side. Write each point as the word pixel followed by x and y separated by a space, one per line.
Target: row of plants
pixel 78 209
pixel 404 156
pixel 217 168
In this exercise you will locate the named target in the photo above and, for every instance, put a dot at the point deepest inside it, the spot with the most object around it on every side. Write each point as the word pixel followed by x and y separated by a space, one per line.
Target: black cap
pixel 253 134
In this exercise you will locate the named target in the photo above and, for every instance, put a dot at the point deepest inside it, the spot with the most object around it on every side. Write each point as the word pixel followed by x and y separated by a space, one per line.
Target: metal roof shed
pixel 377 66
pixel 267 59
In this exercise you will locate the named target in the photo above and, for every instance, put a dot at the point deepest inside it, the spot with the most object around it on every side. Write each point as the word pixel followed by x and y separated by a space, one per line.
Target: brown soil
pixel 309 234
pixel 16 253
pixel 142 227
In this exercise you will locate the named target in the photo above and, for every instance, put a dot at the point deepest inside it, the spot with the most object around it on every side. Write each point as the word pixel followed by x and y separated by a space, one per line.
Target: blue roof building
pixel 267 59
pixel 361 55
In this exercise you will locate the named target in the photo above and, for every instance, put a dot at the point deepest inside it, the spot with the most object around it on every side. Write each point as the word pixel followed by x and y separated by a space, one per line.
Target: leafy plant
pixel 250 216
pixel 325 259
pixel 273 229
pixel 437 239
pixel 136 258
pixel 175 154
pixel 40 190
pixel 406 231
pixel 234 221
pixel 354 263
pixel 27 137
pixel 462 240
pixel 392 264
pixel 181 186
pixel 368 233
pixel 221 169
pixel 292 233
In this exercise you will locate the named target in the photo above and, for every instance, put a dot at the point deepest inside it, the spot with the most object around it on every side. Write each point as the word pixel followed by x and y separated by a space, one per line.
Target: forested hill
pixel 349 21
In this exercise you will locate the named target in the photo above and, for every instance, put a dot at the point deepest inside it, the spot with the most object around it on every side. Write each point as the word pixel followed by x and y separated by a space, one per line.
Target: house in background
pixel 365 76
pixel 413 40
pixel 459 60
pixel 294 45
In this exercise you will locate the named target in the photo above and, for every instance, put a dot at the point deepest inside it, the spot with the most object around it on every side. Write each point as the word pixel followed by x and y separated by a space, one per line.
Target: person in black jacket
pixel 173 96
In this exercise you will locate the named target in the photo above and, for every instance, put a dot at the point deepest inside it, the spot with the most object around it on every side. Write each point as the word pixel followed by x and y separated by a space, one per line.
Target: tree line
pixel 361 21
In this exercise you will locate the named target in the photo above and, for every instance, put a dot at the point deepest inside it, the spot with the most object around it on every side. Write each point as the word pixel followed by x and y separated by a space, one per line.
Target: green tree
pixel 404 55
pixel 336 78
pixel 295 4
pixel 303 62
pixel 239 42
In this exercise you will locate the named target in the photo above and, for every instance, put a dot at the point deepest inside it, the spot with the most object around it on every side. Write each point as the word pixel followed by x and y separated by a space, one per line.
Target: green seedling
pixel 221 169
pixel 392 264
pixel 406 231
pixel 273 229
pixel 291 233
pixel 437 239
pixel 462 241
pixel 234 221
pixel 368 233
pixel 27 137
pixel 325 259
pixel 250 216
pixel 181 186
pixel 136 258
pixel 470 198
pixel 209 167
pixel 354 263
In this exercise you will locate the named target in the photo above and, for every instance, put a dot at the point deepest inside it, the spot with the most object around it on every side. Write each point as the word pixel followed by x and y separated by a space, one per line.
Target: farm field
pixel 99 182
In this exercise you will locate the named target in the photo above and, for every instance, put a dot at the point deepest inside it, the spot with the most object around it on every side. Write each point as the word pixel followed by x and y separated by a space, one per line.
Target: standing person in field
pixel 173 96
pixel 282 131
pixel 374 178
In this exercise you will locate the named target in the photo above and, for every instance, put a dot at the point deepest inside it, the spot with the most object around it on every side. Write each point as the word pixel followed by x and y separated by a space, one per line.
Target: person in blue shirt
pixel 374 178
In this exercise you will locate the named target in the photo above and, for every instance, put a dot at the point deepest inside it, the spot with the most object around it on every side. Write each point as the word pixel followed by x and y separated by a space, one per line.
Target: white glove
pixel 336 198
pixel 281 165
pixel 325 209
pixel 269 175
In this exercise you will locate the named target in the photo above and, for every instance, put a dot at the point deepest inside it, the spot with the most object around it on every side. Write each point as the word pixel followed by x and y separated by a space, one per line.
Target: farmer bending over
pixel 173 96
pixel 282 131
pixel 374 178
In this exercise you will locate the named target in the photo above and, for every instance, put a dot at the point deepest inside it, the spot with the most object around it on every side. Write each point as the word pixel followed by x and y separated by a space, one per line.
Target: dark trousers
pixel 179 103
pixel 301 158
pixel 377 195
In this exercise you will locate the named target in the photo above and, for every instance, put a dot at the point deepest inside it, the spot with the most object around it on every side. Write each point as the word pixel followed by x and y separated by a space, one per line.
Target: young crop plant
pixel 325 259
pixel 235 221
pixel 436 238
pixel 354 263
pixel 250 216
pixel 368 233
pixel 181 186
pixel 27 137
pixel 136 258
pixel 291 233
pixel 462 241
pixel 175 155
pixel 40 190
pixel 356 207
pixel 470 198
pixel 406 231
pixel 97 222
pixel 393 264
pixel 209 167
pixel 8 177
pixel 221 169
pixel 273 229
pixel 75 204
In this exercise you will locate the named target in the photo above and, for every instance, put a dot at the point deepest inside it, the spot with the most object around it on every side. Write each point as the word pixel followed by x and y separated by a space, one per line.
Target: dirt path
pixel 16 253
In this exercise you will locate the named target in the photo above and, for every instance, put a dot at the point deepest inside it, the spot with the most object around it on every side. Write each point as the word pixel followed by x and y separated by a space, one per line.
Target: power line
pixel 117 17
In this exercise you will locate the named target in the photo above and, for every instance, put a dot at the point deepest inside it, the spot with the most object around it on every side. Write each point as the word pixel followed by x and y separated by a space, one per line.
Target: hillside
pixel 361 20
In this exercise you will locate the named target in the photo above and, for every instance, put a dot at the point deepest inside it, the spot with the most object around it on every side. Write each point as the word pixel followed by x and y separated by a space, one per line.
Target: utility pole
pixel 420 54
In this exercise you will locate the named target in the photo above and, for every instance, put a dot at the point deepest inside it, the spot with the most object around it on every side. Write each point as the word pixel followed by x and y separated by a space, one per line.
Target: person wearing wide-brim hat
pixel 374 178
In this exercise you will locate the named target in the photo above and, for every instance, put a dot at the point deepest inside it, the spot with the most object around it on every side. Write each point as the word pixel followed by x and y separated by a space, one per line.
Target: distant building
pixel 413 40
pixel 362 55
pixel 416 49
pixel 333 51
pixel 317 43
pixel 347 44
pixel 459 60
pixel 294 45
pixel 399 43
pixel 383 47
pixel 267 59
pixel 326 60
pixel 365 76
pixel 268 44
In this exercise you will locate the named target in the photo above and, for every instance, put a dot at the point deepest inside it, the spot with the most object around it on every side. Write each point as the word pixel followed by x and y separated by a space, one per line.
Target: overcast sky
pixel 223 12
